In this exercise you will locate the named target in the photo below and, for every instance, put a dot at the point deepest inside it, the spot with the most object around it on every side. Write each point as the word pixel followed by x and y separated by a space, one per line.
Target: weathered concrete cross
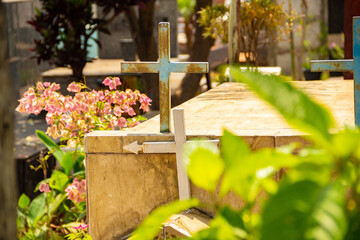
pixel 346 65
pixel 164 67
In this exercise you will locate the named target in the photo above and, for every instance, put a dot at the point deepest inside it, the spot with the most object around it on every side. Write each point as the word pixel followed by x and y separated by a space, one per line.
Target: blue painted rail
pixel 164 67
pixel 346 65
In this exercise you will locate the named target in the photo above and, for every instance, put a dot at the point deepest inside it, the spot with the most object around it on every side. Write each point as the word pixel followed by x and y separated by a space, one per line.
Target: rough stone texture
pixel 128 187
pixel 123 188
pixel 165 11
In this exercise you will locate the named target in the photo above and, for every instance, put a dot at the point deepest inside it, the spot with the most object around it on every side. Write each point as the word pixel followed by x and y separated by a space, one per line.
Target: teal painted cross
pixel 346 65
pixel 164 67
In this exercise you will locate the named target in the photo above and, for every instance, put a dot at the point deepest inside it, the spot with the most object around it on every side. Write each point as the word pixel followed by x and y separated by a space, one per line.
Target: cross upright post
pixel 346 65
pixel 164 67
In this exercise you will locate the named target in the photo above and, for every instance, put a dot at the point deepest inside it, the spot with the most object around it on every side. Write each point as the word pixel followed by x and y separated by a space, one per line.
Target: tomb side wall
pixel 124 188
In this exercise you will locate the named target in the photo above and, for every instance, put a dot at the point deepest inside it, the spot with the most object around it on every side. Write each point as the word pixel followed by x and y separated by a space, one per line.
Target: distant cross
pixel 164 67
pixel 346 65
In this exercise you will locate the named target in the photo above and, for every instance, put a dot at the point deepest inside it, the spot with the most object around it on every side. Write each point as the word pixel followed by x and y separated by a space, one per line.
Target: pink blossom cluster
pixel 71 117
pixel 77 191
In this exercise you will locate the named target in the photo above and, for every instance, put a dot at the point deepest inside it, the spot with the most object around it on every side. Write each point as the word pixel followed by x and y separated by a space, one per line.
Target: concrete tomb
pixel 123 187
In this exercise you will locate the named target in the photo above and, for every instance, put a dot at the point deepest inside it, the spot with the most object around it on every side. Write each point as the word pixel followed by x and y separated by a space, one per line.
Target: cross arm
pixel 193 67
pixel 332 65
pixel 140 67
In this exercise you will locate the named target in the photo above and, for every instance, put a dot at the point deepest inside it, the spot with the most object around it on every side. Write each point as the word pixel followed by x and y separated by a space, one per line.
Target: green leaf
pixel 233 148
pixel 319 173
pixel 56 236
pixel 305 210
pixel 296 107
pixel 54 205
pixel 228 224
pixel 244 170
pixel 58 180
pixel 346 143
pixel 79 163
pixel 233 151
pixel 140 118
pixel 24 201
pixel 354 226
pixel 214 233
pixel 152 224
pixel 204 165
pixel 232 216
pixel 235 220
pixel 50 144
pixel 67 162
pixel 37 209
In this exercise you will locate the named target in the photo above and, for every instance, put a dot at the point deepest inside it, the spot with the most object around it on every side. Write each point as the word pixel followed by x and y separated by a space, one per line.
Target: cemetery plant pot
pixel 310 76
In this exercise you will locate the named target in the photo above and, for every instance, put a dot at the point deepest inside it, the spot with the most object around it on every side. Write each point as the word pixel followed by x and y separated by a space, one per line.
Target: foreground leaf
pixel 51 145
pixel 244 170
pixel 24 201
pixel 67 162
pixel 228 224
pixel 305 210
pixel 58 180
pixel 152 224
pixel 204 165
pixel 37 209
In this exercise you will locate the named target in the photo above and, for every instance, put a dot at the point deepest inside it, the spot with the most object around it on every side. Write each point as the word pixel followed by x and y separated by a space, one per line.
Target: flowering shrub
pixel 71 117
pixel 60 210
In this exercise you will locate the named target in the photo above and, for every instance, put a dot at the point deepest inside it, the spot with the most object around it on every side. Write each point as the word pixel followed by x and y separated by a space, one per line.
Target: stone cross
pixel 164 67
pixel 346 65
pixel 171 147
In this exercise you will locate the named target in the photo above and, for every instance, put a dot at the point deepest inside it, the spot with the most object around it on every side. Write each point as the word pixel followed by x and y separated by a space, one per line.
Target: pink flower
pixel 145 102
pixel 77 190
pixel 333 44
pixel 46 84
pixel 81 226
pixel 40 86
pixel 117 111
pixel 117 81
pixel 131 111
pixel 49 119
pixel 54 87
pixel 44 187
pixel 107 81
pixel 121 122
pixel 53 132
pixel 74 87
pixel 113 123
pixel 112 83
pixel 107 108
